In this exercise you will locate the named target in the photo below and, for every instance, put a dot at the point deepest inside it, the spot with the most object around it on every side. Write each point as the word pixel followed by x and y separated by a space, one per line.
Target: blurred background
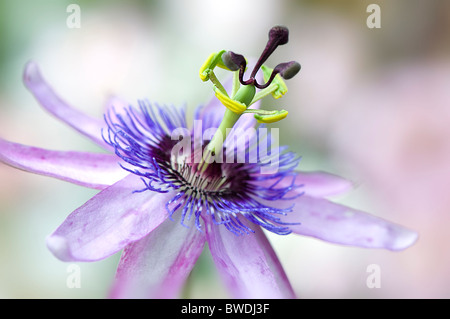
pixel 370 104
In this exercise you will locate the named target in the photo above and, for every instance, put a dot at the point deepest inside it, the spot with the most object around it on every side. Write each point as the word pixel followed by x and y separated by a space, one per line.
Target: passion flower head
pixel 217 201
pixel 224 192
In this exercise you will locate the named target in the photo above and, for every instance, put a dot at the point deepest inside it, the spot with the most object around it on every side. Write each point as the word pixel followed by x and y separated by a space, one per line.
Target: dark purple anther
pixel 278 35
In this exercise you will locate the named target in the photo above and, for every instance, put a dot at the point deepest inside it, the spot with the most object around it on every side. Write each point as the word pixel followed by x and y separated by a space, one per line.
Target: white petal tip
pixel 59 247
pixel 405 239
pixel 31 73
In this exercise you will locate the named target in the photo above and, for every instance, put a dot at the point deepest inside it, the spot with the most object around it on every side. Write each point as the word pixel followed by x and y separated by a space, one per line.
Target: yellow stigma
pixel 271 118
pixel 204 70
pixel 277 81
pixel 233 105
pixel 213 60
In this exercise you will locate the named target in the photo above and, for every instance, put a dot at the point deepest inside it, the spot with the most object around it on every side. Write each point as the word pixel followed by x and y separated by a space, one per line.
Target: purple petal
pixel 339 224
pixel 316 184
pixel 321 184
pixel 87 169
pixel 109 221
pixel 247 264
pixel 157 265
pixel 117 103
pixel 83 123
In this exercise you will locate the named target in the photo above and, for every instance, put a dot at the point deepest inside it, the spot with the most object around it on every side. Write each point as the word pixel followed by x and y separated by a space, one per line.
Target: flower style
pixel 161 198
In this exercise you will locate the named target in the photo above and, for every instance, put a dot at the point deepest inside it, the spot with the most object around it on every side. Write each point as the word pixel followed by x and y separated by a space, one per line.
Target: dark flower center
pixel 215 178
pixel 227 193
